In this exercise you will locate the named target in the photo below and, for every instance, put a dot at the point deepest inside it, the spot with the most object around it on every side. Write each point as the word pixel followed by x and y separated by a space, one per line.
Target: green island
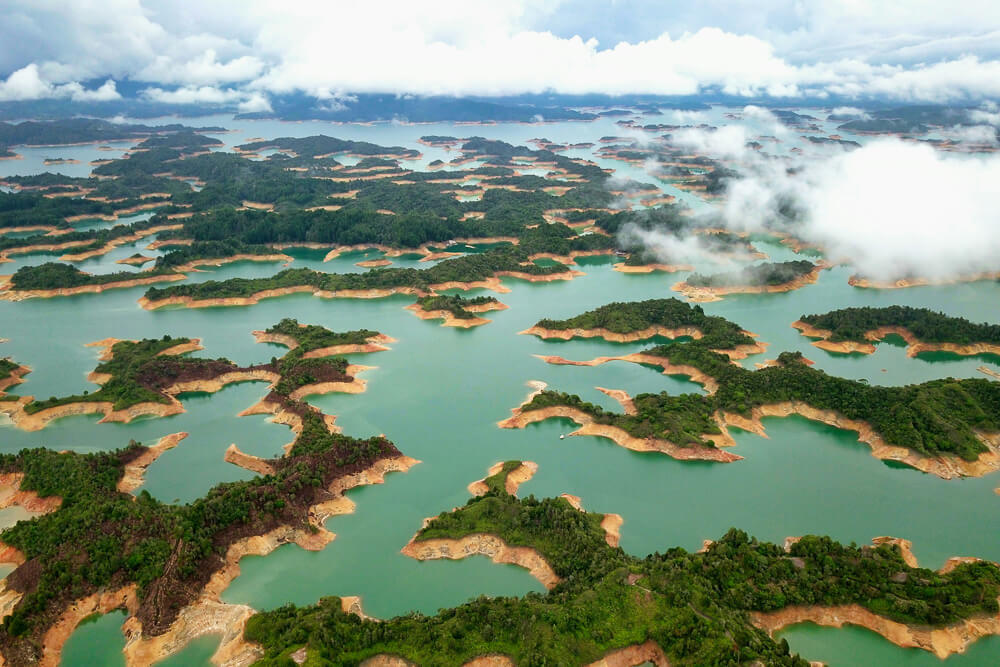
pixel 455 304
pixel 311 337
pixel 466 269
pixel 697 608
pixel 634 320
pixel 925 330
pixel 764 274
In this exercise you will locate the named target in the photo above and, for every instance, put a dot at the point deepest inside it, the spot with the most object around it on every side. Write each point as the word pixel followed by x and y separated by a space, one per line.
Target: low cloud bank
pixel 893 208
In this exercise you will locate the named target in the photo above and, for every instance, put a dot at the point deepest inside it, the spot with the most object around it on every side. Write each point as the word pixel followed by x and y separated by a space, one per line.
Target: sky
pixel 247 51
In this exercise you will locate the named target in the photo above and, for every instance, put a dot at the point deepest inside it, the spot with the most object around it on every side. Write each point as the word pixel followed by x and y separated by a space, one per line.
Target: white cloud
pixel 203 69
pixel 28 84
pixel 877 206
pixel 246 101
pixel 779 48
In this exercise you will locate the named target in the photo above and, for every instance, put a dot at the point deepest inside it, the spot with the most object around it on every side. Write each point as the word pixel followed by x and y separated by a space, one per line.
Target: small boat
pixel 561 436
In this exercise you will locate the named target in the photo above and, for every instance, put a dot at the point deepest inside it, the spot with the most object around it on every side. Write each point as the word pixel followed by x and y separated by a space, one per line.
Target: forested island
pixel 674 608
pixel 455 309
pixel 68 131
pixel 476 270
pixel 641 320
pixel 756 278
pixel 924 330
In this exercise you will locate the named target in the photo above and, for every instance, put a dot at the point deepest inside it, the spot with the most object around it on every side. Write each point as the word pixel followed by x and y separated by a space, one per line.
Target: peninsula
pixel 857 329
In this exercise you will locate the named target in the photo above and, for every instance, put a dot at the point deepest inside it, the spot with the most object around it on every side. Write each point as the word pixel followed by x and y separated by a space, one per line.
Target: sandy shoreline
pixel 709 294
pixel 520 419
pixel 10 294
pixel 945 467
pixel 650 268
pixel 942 642
pixel 734 353
pixel 643 334
pixel 866 283
pixel 694 374
pixel 190 302
pixel 374 343
pixel 482 544
pixel 450 320
pixel 11 494
pixel 134 473
pixel 39 420
pixel 914 345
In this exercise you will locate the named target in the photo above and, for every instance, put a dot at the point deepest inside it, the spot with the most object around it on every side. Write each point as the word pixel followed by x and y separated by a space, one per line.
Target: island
pixel 480 270
pixel 856 329
pixel 456 310
pixel 768 277
pixel 605 607
pixel 625 322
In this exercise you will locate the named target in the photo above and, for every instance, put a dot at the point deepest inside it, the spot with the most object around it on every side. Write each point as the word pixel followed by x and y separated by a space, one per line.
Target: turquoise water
pixel 439 392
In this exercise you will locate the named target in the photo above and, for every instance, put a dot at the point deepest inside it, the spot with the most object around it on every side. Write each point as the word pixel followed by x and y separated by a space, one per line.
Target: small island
pixel 455 310
pixel 607 607
pixel 857 329
pixel 625 322
pixel 768 277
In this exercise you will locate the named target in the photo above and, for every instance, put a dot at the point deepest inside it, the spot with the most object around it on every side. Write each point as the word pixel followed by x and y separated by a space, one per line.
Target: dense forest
pixel 468 268
pixel 927 325
pixel 693 605
pixel 84 130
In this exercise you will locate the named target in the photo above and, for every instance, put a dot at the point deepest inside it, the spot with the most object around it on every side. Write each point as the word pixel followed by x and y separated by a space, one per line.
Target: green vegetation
pixel 7 367
pixel 100 538
pixel 939 417
pixel 927 325
pixel 56 275
pixel 767 273
pixel 455 304
pixel 29 209
pixel 131 382
pixel 84 130
pixel 313 337
pixel 629 317
pixel 462 269
pixel 694 606
pixel 324 145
